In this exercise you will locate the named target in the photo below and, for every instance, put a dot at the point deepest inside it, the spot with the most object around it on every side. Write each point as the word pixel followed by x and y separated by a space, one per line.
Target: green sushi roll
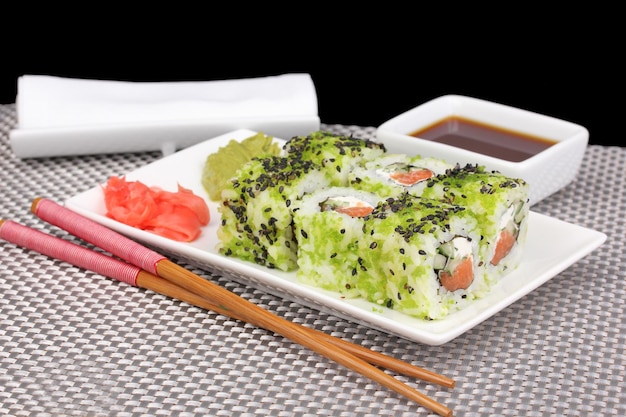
pixel 257 223
pixel 409 233
pixel 500 205
pixel 393 174
pixel 420 257
pixel 336 155
pixel 328 225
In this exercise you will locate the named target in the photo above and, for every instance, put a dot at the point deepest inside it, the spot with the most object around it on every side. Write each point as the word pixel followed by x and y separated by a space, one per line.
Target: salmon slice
pixel 411 177
pixel 461 278
pixel 176 215
pixel 353 207
pixel 355 211
pixel 505 243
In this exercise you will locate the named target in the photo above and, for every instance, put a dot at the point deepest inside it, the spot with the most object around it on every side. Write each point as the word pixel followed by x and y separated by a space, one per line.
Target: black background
pixel 364 72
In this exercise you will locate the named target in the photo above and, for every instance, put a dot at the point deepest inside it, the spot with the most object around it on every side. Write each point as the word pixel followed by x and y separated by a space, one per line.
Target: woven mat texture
pixel 73 343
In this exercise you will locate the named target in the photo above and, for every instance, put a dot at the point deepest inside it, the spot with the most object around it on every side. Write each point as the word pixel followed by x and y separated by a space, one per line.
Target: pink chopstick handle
pixel 97 234
pixel 69 252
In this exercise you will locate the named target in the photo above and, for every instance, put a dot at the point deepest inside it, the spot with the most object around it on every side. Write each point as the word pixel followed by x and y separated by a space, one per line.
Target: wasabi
pixel 220 166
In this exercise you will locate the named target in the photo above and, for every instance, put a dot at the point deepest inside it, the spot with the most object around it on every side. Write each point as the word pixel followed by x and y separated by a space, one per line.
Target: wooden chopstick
pixel 111 267
pixel 214 296
pixel 165 287
pixel 256 315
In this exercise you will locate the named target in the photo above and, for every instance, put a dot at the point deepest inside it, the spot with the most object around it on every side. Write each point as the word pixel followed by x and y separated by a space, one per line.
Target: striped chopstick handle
pixel 58 248
pixel 97 234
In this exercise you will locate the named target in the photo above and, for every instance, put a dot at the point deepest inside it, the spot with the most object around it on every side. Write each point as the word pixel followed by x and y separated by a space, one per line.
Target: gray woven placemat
pixel 75 344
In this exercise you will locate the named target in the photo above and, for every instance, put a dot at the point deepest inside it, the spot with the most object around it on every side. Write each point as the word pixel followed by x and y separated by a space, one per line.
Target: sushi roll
pixel 500 205
pixel 257 223
pixel 328 225
pixel 410 233
pixel 336 155
pixel 393 174
pixel 420 257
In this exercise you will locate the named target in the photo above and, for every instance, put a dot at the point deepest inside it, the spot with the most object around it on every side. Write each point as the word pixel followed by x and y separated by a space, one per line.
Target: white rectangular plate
pixel 552 246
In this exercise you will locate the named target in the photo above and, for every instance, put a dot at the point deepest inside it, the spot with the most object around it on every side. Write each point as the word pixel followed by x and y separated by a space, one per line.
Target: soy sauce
pixel 484 138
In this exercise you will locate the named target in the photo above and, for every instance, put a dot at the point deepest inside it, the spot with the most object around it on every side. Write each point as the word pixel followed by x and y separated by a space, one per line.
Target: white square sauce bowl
pixel 544 151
